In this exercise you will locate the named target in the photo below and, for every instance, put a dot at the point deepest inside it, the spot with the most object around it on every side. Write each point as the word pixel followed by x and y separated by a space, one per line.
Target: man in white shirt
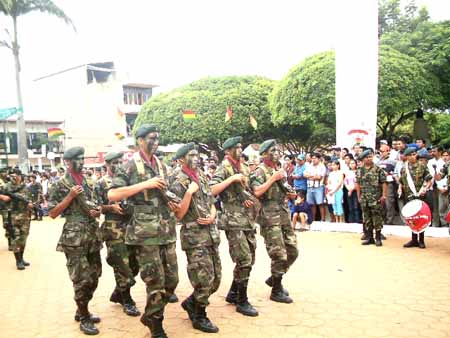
pixel 315 175
pixel 440 197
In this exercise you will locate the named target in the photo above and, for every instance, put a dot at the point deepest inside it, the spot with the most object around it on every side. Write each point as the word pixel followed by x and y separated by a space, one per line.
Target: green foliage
pixel 392 18
pixel 440 127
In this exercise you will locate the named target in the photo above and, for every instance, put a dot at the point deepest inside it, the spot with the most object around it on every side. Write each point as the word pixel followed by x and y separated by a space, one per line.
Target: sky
pixel 174 42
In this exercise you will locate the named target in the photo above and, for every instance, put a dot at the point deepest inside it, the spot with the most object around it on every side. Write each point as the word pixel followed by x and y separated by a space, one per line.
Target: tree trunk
pixel 21 131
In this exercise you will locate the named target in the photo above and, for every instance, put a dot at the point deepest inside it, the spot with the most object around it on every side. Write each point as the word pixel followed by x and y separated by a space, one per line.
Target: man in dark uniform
pixel 270 186
pixel 71 197
pixel 4 206
pixel 199 236
pixel 143 182
pixel 121 257
pixel 231 181
pixel 37 198
pixel 413 187
pixel 371 187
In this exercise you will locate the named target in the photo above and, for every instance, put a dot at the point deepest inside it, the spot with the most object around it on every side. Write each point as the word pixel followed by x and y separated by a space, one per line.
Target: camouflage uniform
pixel 121 257
pixel 237 221
pixel 4 213
pixel 152 232
pixel 370 182
pixel 79 240
pixel 279 237
pixel 419 174
pixel 200 242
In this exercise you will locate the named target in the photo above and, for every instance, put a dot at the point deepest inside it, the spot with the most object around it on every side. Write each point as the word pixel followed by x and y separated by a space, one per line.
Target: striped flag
pixel 189 115
pixel 228 114
pixel 54 132
pixel 253 122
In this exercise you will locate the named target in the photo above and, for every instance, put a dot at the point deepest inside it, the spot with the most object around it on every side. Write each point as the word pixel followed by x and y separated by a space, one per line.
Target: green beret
pixel 146 129
pixel 231 142
pixel 181 152
pixel 113 155
pixel 364 154
pixel 266 145
pixel 409 151
pixel 71 153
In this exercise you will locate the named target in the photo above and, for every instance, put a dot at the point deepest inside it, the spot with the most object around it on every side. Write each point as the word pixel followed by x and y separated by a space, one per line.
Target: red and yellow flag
pixel 228 114
pixel 54 132
pixel 253 122
pixel 119 136
pixel 189 115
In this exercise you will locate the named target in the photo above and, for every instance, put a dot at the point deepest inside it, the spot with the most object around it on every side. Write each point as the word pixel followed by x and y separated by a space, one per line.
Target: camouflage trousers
pixel 159 271
pixel 85 268
pixel 21 231
pixel 122 258
pixel 204 271
pixel 373 216
pixel 242 247
pixel 281 245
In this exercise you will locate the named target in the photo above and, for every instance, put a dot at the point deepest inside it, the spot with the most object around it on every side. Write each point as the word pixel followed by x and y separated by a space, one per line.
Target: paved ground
pixel 340 290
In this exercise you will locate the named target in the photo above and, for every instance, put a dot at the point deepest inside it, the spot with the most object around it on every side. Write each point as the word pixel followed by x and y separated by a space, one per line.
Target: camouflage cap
pixel 266 145
pixel 113 155
pixel 181 152
pixel 409 151
pixel 146 129
pixel 364 154
pixel 232 142
pixel 73 152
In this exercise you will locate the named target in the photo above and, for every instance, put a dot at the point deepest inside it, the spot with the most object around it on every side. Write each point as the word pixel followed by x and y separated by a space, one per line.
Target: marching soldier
pixel 121 257
pixel 269 186
pixel 231 181
pixel 199 236
pixel 4 206
pixel 371 187
pixel 71 197
pixel 143 182
pixel 415 180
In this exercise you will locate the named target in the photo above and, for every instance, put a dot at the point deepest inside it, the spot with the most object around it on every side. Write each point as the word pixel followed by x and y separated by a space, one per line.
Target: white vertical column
pixel 356 72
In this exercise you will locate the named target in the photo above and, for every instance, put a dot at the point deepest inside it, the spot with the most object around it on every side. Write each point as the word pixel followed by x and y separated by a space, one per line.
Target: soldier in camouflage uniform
pixel 422 182
pixel 4 205
pixel 71 197
pixel 121 257
pixel 371 187
pixel 199 236
pixel 231 181
pixel 19 205
pixel 143 182
pixel 269 185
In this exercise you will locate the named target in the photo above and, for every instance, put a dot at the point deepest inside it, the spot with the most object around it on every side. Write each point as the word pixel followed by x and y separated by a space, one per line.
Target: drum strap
pixel 410 181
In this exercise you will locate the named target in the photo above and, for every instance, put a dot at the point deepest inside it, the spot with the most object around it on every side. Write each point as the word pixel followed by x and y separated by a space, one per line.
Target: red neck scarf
pixel 150 162
pixel 270 164
pixel 193 174
pixel 77 177
pixel 236 164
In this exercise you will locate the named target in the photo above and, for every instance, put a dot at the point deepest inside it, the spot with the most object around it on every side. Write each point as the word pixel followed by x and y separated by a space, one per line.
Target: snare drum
pixel 417 215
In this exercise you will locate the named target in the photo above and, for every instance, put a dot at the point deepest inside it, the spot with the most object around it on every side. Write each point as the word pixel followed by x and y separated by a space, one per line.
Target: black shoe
pixel 95 319
pixel 173 298
pixel 19 263
pixel 88 327
pixel 243 306
pixel 232 294
pixel 131 310
pixel 189 306
pixel 269 283
pixel 116 297
pixel 277 294
pixel 156 328
pixel 422 240
pixel 10 247
pixel 378 239
pixel 413 243
pixel 202 322
pixel 25 263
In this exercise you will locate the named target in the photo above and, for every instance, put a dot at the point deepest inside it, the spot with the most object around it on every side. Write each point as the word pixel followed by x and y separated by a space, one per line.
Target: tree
pixel 440 126
pixel 16 9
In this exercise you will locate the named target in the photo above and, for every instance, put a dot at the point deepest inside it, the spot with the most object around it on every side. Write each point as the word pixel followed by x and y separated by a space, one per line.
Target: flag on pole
pixel 228 114
pixel 189 115
pixel 120 113
pixel 253 122
pixel 119 136
pixel 54 132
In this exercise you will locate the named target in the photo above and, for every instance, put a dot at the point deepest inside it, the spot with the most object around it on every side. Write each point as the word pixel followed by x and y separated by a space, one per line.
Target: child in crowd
pixel 301 213
pixel 335 192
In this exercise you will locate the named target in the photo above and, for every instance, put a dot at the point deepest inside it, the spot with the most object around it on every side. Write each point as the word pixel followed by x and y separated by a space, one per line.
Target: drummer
pixel 415 180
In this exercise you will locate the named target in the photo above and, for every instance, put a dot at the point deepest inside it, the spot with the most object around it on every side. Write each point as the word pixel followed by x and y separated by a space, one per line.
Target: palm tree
pixel 15 9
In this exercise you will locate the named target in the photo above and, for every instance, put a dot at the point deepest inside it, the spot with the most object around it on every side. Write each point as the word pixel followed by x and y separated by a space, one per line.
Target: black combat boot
pixel 369 239
pixel 364 235
pixel 10 248
pixel 94 318
pixel 173 298
pixel 413 242
pixel 86 323
pixel 129 306
pixel 156 327
pixel 277 294
pixel 242 305
pixel 189 306
pixel 116 296
pixel 232 294
pixel 19 263
pixel 378 238
pixel 201 321
pixel 422 240
pixel 269 283
pixel 25 263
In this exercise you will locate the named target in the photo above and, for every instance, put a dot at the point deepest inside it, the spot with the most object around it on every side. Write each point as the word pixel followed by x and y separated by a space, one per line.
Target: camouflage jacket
pixel 419 174
pixel 370 181
pixel 36 192
pixel 79 229
pixel 19 209
pixel 237 216
pixel 274 197
pixel 152 222
pixel 192 234
pixel 114 226
pixel 445 171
